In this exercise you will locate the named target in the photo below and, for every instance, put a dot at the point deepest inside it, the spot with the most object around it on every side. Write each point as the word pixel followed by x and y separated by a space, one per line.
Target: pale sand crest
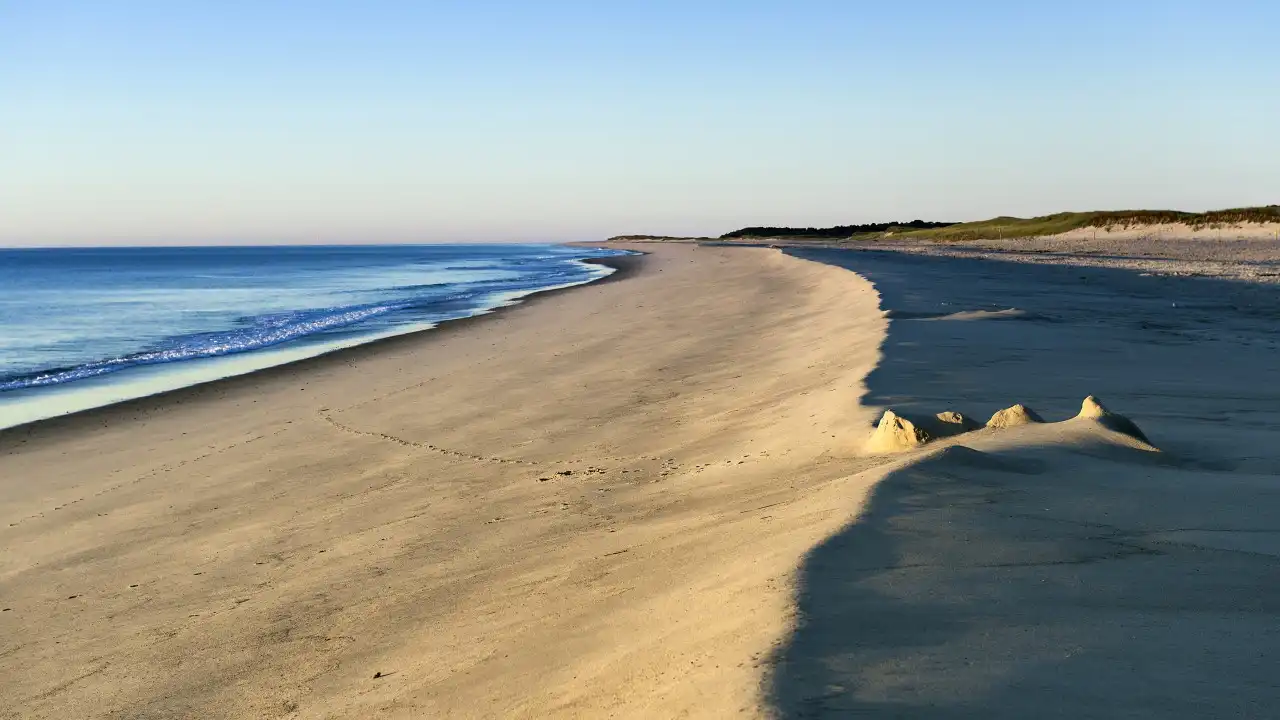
pixel 1176 231
pixel 593 505
pixel 1248 251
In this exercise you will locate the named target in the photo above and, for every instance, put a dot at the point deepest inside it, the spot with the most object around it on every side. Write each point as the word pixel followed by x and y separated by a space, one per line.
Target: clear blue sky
pixel 283 121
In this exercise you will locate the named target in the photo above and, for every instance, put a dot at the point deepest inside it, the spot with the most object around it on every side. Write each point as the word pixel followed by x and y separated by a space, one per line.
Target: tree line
pixel 839 231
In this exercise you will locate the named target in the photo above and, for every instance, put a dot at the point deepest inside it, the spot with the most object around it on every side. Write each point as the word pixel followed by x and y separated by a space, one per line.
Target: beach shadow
pixel 1005 592
pixel 976 589
pixel 848 622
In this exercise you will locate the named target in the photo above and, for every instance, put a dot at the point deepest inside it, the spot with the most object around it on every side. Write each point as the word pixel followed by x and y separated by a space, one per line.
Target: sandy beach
pixel 652 497
pixel 639 361
pixel 1248 252
pixel 592 505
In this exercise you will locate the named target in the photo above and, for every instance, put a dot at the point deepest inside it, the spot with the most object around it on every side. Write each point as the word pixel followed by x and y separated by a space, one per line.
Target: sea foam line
pixel 41 402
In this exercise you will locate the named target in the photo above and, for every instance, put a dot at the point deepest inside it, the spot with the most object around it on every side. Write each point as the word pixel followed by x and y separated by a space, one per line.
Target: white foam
pixel 24 406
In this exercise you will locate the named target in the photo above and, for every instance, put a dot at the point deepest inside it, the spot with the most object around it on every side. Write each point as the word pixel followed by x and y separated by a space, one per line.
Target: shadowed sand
pixel 592 505
pixel 1065 568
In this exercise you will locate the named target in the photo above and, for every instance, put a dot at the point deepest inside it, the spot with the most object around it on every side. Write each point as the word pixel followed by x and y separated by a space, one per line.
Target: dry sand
pixel 1176 231
pixel 589 506
pixel 1249 251
pixel 1245 251
pixel 649 498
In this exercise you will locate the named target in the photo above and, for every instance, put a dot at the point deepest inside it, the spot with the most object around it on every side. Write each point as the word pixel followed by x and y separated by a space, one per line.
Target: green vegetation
pixel 652 238
pixel 1011 227
pixel 996 228
pixel 839 232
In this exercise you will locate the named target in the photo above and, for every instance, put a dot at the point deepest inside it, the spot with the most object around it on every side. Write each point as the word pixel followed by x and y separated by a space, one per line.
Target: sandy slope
pixel 590 506
pixel 1177 231
pixel 1248 252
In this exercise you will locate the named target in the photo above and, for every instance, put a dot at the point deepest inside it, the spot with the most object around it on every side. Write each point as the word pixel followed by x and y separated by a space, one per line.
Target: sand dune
pixel 1249 251
pixel 1175 231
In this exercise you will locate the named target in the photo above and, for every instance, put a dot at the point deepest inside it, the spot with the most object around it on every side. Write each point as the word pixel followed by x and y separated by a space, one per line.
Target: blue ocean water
pixel 81 327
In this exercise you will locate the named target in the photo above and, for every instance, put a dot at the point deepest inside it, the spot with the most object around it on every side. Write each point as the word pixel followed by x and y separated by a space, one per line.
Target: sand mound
pixel 1014 416
pixel 1093 409
pixel 895 433
pixel 954 423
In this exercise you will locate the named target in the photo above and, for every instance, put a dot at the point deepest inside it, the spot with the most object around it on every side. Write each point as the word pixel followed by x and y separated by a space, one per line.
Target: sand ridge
pixel 898 433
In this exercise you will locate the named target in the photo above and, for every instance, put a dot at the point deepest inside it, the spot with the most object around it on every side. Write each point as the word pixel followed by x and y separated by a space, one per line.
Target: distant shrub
pixel 836 232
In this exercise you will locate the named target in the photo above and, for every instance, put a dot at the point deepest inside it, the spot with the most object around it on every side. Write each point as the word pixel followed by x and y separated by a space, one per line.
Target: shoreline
pixel 573 510
pixel 653 499
pixel 623 267
pixel 1240 260
pixel 1249 259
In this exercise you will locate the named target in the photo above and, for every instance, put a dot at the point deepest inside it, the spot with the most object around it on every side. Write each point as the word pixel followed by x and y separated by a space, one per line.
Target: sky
pixel 131 122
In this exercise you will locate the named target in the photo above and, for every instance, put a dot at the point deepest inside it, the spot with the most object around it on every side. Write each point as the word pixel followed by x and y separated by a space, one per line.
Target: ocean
pixel 86 327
